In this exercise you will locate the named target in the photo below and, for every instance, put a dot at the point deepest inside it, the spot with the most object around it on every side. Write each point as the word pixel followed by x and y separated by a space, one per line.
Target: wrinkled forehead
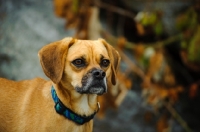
pixel 92 48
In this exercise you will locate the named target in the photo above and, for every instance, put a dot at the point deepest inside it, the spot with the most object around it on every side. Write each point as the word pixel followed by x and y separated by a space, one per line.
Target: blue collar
pixel 69 114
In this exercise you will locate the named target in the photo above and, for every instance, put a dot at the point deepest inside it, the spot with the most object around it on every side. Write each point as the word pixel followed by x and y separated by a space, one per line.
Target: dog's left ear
pixel 114 59
pixel 52 58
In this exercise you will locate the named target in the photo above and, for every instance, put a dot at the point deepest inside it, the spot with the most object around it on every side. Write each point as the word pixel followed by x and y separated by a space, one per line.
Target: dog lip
pixel 95 89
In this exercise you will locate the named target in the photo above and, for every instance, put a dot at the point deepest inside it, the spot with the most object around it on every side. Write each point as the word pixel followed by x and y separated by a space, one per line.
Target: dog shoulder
pixel 22 83
pixel 4 83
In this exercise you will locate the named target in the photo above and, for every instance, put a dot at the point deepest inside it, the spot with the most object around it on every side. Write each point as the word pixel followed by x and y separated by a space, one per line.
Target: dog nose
pixel 99 74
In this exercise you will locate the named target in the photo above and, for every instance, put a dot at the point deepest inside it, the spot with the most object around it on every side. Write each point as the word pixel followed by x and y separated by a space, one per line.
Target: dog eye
pixel 105 62
pixel 79 62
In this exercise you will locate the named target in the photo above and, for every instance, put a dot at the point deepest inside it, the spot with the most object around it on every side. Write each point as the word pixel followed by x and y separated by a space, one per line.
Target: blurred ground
pixel 26 26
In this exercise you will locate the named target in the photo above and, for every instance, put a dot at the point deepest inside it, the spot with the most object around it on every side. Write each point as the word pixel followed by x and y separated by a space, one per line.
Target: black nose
pixel 99 74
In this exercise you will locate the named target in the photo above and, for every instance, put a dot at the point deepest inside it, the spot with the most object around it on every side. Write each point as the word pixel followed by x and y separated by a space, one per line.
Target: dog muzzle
pixel 94 82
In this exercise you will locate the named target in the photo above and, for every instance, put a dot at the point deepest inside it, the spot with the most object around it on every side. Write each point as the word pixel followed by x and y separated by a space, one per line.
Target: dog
pixel 79 71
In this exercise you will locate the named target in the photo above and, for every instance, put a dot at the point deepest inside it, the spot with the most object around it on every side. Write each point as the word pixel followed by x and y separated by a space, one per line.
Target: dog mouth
pixel 98 88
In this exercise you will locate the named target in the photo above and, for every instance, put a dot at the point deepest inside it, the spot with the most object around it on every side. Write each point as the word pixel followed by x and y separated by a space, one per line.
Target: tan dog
pixel 79 71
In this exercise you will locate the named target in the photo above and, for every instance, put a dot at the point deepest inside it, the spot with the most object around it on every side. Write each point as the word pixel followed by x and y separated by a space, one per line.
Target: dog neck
pixel 82 104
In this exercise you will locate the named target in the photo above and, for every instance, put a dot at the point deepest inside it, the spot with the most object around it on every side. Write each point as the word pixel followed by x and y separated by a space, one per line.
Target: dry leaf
pixel 139 51
pixel 162 124
pixel 121 42
pixel 193 90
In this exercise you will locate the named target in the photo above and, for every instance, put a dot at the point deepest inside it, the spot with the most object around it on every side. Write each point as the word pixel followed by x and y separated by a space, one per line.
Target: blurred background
pixel 158 40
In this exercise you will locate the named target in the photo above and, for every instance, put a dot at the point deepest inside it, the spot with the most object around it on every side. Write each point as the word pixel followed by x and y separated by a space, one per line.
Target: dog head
pixel 86 65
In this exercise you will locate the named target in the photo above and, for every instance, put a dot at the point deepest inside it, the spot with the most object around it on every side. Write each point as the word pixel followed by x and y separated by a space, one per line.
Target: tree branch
pixel 131 45
pixel 177 117
pixel 115 9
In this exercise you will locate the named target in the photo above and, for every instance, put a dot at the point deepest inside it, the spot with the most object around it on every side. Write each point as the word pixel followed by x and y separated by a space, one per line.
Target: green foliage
pixel 75 6
pixel 187 23
pixel 158 29
pixel 188 20
pixel 194 47
pixel 149 19
pixel 152 19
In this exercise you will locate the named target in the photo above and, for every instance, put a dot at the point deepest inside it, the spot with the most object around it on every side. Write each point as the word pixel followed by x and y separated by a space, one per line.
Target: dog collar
pixel 69 114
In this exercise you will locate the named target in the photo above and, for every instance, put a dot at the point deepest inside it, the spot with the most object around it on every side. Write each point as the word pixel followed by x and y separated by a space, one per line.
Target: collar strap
pixel 69 114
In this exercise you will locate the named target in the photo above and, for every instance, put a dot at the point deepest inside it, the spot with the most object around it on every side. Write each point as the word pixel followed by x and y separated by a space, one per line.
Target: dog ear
pixel 52 58
pixel 114 58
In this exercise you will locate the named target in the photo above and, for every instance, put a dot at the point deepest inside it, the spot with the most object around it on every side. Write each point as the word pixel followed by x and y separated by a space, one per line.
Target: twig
pixel 114 9
pixel 131 45
pixel 131 65
pixel 177 117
